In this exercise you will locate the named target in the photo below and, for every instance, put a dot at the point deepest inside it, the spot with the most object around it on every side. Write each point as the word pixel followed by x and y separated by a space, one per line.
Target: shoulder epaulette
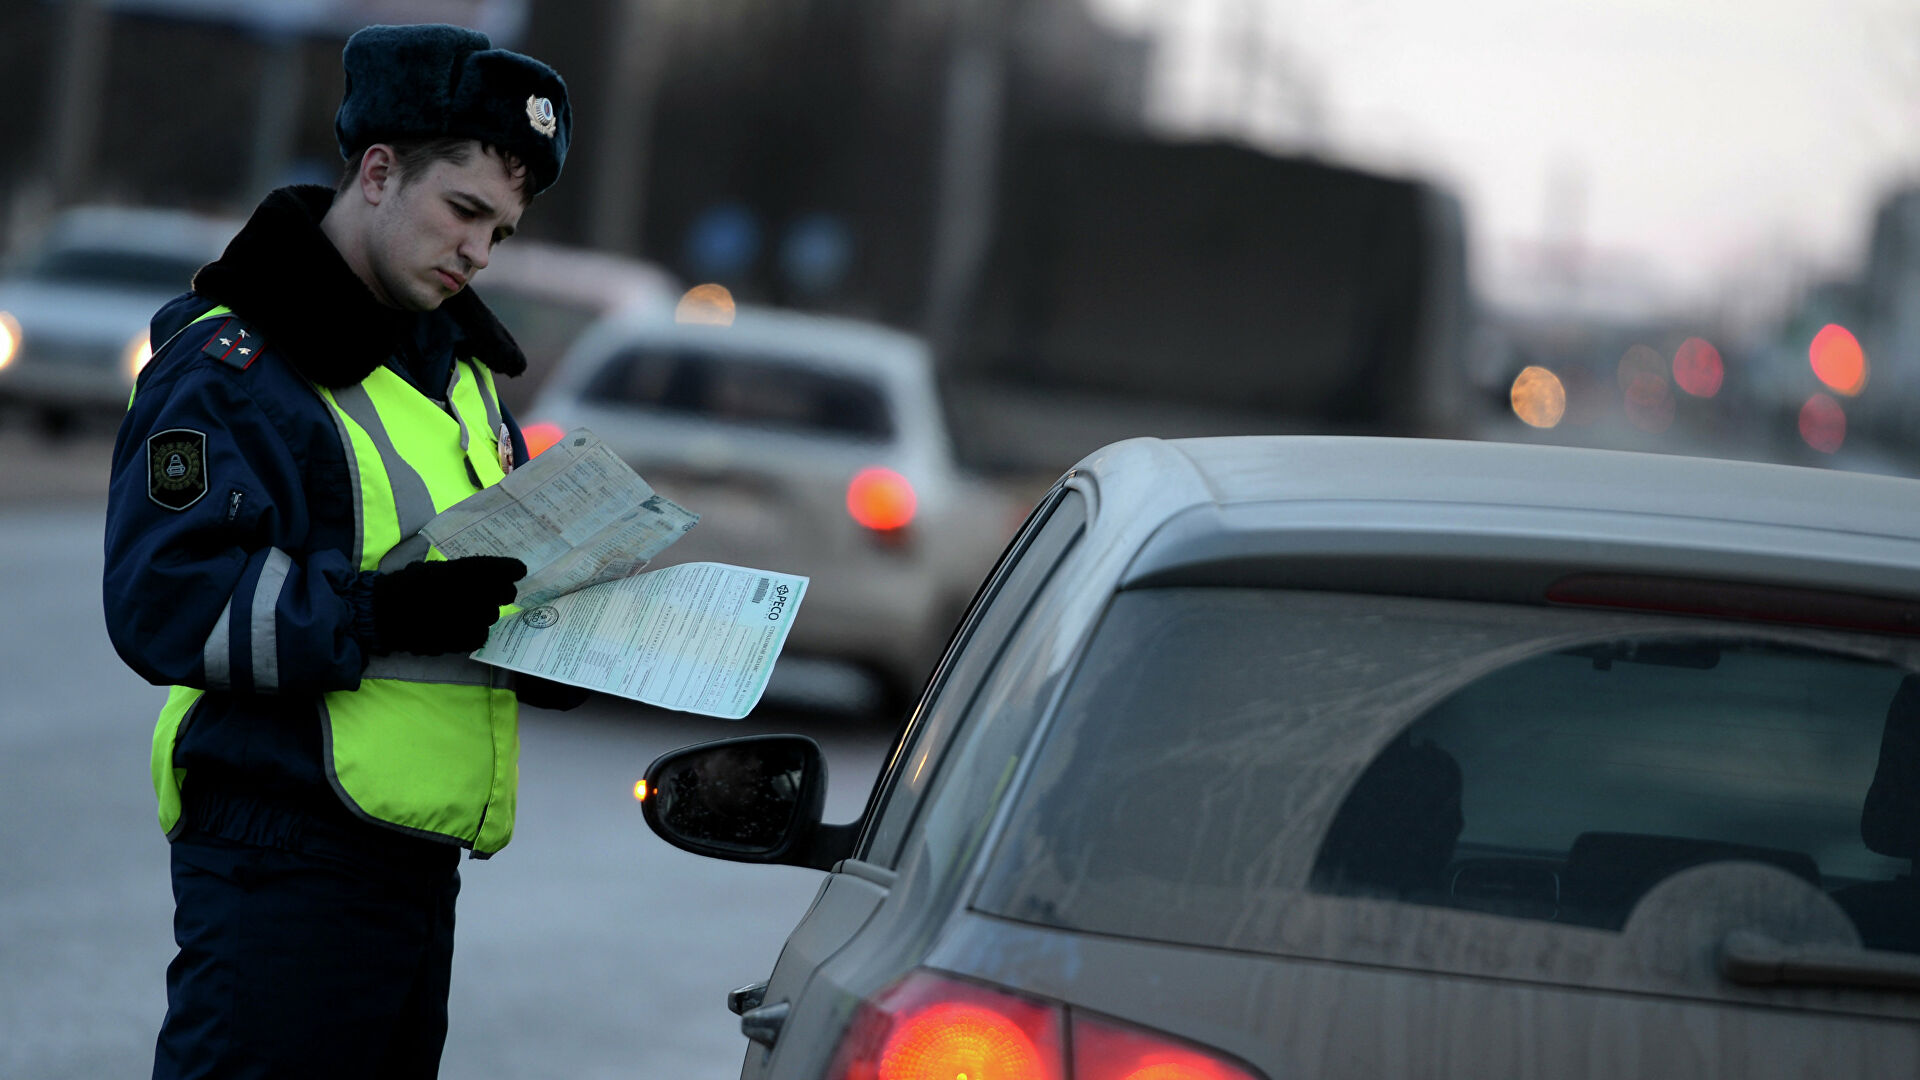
pixel 233 344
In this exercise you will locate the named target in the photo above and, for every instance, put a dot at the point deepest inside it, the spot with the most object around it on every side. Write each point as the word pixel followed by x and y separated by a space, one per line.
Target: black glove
pixel 547 694
pixel 442 607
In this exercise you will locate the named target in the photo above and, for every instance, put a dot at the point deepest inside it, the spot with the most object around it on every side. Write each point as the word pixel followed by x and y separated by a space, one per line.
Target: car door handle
pixel 1757 960
pixel 762 1025
pixel 747 997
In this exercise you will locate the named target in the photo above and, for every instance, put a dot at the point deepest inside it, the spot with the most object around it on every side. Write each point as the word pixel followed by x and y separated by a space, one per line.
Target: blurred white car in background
pixel 74 307
pixel 808 445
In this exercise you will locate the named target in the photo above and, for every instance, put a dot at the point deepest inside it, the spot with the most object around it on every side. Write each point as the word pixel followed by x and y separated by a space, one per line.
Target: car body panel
pixel 1293 1017
pixel 1369 987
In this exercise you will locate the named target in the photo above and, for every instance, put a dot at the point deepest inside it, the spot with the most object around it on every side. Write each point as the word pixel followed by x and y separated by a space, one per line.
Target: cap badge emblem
pixel 540 115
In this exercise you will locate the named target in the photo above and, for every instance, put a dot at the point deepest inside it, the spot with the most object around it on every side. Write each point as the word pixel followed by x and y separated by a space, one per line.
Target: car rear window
pixel 755 391
pixel 1221 750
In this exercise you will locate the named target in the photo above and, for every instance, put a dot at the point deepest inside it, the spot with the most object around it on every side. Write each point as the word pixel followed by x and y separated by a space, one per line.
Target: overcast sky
pixel 1693 139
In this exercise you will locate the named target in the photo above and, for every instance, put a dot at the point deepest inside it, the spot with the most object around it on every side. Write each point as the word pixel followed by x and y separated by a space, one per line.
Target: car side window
pixel 1567 786
pixel 745 390
pixel 1051 531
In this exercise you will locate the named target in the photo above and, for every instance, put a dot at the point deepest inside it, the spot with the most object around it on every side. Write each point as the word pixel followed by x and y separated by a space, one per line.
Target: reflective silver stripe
pixel 411 501
pixel 217 656
pixel 452 669
pixel 411 550
pixel 265 627
pixel 494 419
pixel 353 479
pixel 453 407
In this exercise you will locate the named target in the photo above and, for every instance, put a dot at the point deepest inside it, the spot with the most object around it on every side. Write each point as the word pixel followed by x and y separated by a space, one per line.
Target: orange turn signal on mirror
pixel 640 791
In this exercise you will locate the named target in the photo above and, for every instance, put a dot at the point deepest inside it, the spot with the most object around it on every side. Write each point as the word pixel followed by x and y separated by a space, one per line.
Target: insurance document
pixel 698 637
pixel 576 515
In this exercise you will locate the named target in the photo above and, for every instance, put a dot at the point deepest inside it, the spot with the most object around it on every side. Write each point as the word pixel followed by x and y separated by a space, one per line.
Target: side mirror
pixel 753 799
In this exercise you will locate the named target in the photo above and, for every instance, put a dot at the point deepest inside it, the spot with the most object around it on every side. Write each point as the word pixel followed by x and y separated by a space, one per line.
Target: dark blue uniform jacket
pixel 258 533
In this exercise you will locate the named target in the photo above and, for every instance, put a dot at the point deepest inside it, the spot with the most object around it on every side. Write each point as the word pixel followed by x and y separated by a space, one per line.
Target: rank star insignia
pixel 225 343
pixel 177 467
pixel 541 115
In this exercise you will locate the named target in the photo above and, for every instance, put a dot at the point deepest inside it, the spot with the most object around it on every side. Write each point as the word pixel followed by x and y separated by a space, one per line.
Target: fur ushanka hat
pixel 432 80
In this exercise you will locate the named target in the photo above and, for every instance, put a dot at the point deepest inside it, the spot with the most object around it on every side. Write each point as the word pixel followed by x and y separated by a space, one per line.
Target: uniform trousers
pixel 316 958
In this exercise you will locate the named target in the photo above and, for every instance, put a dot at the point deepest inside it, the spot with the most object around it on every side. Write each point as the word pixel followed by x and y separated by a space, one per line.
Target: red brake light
pixel 1105 1050
pixel 540 436
pixel 881 499
pixel 932 1028
pixel 964 1040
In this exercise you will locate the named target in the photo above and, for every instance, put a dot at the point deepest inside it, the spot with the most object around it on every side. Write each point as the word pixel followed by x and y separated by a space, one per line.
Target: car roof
pixel 1276 468
pixel 1352 509
pixel 142 229
pixel 838 344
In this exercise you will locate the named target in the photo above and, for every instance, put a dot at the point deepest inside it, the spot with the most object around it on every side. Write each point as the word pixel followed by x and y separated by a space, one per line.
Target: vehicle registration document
pixel 697 637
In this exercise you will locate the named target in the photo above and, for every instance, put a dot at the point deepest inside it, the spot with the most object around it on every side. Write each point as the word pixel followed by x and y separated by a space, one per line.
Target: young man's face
pixel 436 228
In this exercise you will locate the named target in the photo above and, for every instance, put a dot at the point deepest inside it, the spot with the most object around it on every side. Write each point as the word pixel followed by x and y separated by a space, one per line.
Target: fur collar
pixel 282 275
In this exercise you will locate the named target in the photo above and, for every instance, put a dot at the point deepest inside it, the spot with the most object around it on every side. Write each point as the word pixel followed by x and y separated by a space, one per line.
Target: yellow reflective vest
pixel 427 745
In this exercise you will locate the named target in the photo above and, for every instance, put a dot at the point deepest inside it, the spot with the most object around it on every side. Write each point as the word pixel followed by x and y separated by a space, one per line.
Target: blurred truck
pixel 1134 286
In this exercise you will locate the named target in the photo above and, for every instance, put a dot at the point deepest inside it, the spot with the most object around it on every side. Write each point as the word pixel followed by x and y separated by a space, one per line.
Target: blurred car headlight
pixel 9 338
pixel 139 351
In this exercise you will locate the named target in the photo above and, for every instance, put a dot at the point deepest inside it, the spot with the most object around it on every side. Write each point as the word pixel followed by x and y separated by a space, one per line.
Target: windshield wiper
pixel 1754 959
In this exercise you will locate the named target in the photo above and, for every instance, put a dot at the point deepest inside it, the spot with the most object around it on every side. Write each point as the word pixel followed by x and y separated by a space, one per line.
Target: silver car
pixel 808 445
pixel 1322 757
pixel 74 311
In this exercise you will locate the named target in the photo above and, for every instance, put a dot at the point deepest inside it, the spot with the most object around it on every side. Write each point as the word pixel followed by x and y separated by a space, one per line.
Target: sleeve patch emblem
pixel 177 467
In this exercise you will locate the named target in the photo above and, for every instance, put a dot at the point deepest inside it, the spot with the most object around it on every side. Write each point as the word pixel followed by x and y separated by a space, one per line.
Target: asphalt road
pixel 588 949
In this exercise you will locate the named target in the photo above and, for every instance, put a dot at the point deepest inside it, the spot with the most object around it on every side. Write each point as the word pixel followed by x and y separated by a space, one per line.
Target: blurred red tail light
pixel 540 436
pixel 927 1027
pixel 881 499
pixel 930 1027
pixel 1105 1050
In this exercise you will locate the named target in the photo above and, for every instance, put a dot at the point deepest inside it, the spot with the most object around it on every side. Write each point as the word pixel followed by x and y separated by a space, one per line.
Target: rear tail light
pixel 931 1027
pixel 881 499
pixel 540 436
pixel 1105 1050
pixel 927 1027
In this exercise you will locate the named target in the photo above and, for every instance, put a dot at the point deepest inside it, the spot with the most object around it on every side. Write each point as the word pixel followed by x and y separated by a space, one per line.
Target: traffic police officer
pixel 327 748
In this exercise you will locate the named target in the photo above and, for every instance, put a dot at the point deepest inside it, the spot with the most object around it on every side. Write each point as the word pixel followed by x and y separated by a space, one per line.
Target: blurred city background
pixel 1114 217
pixel 1669 225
